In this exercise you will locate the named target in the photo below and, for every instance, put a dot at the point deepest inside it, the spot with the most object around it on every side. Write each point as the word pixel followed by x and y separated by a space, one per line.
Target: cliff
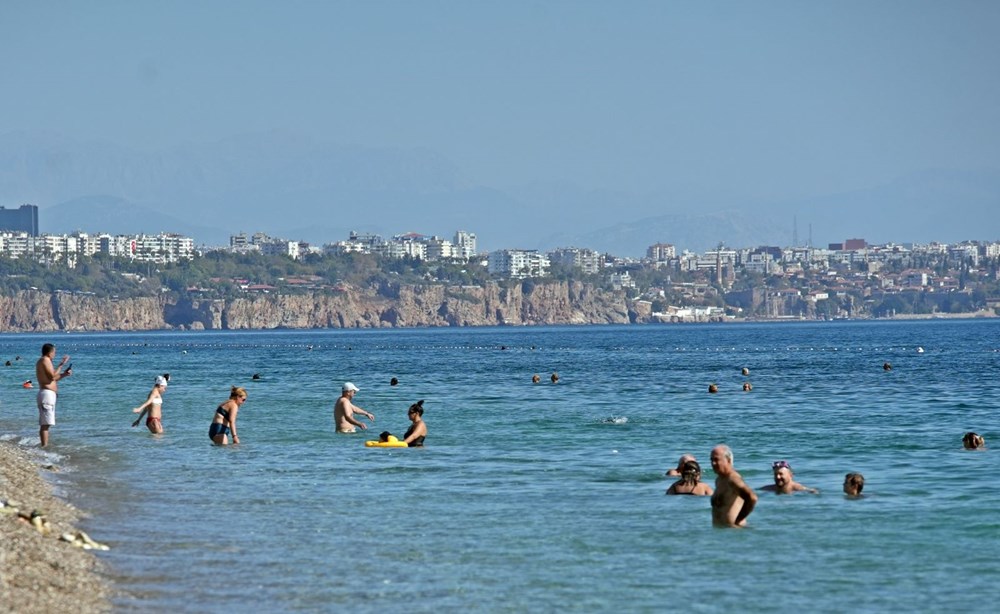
pixel 374 307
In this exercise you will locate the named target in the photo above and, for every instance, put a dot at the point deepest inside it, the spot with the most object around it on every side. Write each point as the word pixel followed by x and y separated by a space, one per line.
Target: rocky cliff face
pixel 385 307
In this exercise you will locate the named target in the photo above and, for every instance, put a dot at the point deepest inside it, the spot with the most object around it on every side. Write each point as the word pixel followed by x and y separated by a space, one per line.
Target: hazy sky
pixel 769 100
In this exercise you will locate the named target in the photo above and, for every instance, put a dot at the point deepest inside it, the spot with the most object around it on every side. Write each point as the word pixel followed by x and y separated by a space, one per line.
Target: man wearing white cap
pixel 344 410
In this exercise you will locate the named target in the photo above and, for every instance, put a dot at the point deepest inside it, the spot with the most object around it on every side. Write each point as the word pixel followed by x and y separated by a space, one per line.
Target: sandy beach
pixel 42 573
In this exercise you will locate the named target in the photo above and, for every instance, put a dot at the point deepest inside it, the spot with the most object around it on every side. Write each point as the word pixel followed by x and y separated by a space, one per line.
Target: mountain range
pixel 298 188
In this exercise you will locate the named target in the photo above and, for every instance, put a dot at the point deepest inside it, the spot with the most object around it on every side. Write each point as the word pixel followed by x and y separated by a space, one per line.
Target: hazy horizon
pixel 559 121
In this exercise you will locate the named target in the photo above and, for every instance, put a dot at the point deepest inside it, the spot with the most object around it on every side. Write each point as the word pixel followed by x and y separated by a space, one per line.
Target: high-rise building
pixel 22 219
pixel 464 244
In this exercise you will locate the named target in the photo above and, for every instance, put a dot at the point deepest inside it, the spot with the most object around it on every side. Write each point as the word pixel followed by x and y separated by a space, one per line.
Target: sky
pixel 768 100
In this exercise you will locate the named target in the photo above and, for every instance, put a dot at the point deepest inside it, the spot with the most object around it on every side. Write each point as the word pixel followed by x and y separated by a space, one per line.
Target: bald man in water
pixel 733 499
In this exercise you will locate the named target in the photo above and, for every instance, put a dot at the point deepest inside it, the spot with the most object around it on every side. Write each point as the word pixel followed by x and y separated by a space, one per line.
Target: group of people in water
pixel 222 429
pixel 733 500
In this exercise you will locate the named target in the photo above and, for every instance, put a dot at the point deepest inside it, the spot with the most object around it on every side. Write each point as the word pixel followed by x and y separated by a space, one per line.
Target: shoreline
pixel 41 573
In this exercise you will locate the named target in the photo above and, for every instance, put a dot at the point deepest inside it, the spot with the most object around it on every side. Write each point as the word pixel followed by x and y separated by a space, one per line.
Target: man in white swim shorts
pixel 47 375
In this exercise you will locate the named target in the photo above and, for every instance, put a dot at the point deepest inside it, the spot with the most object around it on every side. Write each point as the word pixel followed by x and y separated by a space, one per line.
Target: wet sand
pixel 41 573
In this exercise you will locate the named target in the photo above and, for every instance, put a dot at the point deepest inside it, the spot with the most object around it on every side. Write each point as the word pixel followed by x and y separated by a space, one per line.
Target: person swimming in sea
pixel 224 420
pixel 154 406
pixel 784 480
pixel 690 482
pixel 415 435
pixel 973 441
pixel 854 483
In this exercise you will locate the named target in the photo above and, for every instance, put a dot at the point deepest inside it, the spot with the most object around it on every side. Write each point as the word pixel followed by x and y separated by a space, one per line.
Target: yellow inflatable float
pixel 391 442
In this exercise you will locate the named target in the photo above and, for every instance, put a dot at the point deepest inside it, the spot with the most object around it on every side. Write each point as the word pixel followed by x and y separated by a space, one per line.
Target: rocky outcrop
pixel 383 307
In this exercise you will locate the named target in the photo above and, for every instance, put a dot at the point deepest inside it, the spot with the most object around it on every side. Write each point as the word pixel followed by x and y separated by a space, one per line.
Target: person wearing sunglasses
pixel 784 482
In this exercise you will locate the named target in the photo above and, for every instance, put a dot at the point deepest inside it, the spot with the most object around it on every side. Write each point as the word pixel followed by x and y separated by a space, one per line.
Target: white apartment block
pixel 464 244
pixel 661 252
pixel 586 260
pixel 440 249
pixel 518 263
pixel 161 248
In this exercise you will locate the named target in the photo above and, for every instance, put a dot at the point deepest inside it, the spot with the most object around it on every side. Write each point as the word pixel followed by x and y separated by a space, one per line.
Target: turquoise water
pixel 534 497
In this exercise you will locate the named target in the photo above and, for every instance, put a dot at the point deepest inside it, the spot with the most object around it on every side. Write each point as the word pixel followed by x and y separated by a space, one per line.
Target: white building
pixel 518 263
pixel 465 244
pixel 661 252
pixel 586 260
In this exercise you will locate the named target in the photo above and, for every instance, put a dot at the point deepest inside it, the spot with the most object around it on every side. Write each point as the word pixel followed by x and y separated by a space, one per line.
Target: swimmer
pixel 712 388
pixel 255 376
pixel 745 371
pixel 384 436
pixel 27 384
pixel 973 441
pixel 733 500
pixel 224 420
pixel 555 378
pixel 153 405
pixel 394 382
pixel 854 483
pixel 747 386
pixel 414 436
pixel 783 482
pixel 344 410
pixel 690 482
pixel 535 378
pixel 676 471
pixel 886 366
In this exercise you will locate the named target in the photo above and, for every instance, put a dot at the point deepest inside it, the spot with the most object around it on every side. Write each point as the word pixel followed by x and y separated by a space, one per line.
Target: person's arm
pixel 705 490
pixel 805 488
pixel 349 416
pixel 232 422
pixel 53 372
pixel 364 412
pixel 749 501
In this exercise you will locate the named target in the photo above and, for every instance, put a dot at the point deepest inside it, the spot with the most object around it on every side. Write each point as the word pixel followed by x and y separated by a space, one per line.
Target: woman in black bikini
pixel 224 419
pixel 415 435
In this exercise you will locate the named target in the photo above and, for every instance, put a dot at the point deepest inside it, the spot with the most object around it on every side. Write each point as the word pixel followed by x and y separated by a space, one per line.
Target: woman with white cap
pixel 153 405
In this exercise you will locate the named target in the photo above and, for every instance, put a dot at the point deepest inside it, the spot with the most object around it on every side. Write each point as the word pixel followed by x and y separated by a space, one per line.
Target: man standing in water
pixel 733 499
pixel 344 410
pixel 47 376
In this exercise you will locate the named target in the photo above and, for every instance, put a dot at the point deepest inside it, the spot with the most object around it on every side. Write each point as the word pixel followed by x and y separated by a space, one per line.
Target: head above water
pixel 973 441
pixel 691 471
pixel 417 408
pixel 722 456
pixel 854 483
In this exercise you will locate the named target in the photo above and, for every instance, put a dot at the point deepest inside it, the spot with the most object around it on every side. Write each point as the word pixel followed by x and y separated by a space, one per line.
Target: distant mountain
pixel 300 189
pixel 931 205
pixel 694 232
pixel 115 216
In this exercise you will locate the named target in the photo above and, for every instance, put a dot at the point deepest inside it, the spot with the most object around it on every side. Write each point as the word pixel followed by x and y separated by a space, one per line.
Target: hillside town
pixel 852 279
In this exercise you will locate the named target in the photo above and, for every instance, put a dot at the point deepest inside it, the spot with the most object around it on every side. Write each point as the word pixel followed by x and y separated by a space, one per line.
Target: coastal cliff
pixel 386 306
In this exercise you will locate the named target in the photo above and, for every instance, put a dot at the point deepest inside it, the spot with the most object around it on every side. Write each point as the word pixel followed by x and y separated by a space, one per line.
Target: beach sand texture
pixel 41 573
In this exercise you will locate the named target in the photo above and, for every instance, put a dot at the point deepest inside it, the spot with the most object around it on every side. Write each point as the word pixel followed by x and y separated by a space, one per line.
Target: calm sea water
pixel 534 497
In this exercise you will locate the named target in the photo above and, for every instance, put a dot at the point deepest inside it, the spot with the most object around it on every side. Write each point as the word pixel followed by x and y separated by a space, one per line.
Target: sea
pixel 532 497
